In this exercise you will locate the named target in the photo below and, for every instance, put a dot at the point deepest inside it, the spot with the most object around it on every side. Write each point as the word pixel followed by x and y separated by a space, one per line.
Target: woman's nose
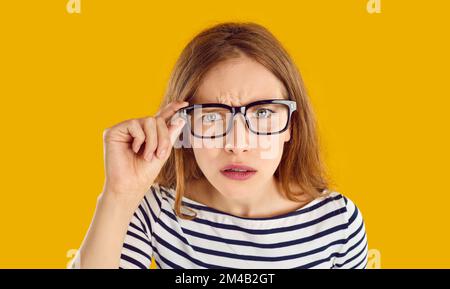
pixel 237 139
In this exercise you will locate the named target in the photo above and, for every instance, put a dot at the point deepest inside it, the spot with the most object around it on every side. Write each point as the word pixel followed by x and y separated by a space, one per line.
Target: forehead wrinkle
pixel 237 101
pixel 229 100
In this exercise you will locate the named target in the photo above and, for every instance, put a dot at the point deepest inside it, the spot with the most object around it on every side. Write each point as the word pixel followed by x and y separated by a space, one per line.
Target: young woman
pixel 243 188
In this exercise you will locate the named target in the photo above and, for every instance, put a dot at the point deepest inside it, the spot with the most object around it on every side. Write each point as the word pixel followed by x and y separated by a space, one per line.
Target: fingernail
pixel 148 157
pixel 161 154
pixel 177 121
pixel 136 149
pixel 180 121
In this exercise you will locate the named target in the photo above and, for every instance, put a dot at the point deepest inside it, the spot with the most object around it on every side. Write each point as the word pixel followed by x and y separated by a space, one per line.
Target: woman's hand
pixel 135 151
pixel 134 155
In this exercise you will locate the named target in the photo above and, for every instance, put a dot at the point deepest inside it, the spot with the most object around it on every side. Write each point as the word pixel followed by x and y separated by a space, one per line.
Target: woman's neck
pixel 266 203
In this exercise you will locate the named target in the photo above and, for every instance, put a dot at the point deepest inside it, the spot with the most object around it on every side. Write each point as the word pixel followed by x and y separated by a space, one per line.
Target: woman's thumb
pixel 175 128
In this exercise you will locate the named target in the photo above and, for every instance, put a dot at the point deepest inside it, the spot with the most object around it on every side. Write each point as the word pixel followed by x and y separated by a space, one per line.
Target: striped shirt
pixel 328 232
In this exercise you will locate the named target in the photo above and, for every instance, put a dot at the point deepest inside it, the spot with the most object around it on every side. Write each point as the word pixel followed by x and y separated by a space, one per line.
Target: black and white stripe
pixel 328 232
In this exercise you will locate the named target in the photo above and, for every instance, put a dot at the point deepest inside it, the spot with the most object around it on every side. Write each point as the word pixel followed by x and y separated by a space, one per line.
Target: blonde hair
pixel 301 160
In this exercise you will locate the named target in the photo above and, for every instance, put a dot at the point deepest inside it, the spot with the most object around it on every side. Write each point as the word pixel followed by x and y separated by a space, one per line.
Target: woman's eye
pixel 210 117
pixel 263 113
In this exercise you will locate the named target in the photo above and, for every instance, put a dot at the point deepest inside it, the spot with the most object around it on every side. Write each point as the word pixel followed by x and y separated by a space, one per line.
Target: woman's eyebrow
pixel 264 98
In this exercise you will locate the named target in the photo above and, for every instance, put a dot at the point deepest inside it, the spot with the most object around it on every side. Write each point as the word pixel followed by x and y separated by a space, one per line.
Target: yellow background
pixel 379 84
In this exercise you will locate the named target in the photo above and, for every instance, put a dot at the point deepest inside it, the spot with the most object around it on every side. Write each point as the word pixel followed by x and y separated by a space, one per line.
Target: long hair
pixel 301 159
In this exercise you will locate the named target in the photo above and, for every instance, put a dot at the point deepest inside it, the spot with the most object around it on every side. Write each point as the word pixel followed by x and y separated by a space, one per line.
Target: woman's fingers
pixel 170 109
pixel 163 138
pixel 158 135
pixel 175 129
pixel 159 138
pixel 151 137
pixel 136 131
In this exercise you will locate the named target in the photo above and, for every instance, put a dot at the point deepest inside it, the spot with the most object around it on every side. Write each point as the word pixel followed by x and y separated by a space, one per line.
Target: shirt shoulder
pixel 151 205
pixel 353 253
pixel 342 202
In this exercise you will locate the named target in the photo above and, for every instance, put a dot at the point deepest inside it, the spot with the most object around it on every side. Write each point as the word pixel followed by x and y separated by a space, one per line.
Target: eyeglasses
pixel 263 117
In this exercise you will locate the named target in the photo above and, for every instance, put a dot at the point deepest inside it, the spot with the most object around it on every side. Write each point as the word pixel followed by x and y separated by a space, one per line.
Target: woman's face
pixel 237 82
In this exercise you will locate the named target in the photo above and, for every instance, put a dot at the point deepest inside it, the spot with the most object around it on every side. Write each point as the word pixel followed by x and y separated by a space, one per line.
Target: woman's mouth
pixel 238 172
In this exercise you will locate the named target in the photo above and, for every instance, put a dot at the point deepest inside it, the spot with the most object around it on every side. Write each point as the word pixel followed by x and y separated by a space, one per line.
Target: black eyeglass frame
pixel 234 110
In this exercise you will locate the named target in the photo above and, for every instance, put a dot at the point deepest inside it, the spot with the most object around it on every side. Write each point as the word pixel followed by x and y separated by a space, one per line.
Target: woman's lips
pixel 240 176
pixel 238 172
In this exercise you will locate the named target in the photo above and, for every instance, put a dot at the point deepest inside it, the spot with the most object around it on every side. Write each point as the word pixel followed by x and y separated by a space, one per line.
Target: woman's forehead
pixel 234 100
pixel 238 83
